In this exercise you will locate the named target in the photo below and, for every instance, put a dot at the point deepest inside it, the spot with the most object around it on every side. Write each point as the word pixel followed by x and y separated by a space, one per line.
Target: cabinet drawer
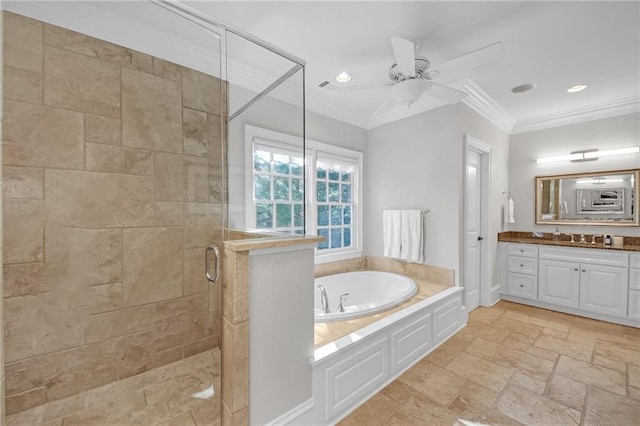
pixel 634 279
pixel 586 255
pixel 634 260
pixel 522 250
pixel 522 285
pixel 522 265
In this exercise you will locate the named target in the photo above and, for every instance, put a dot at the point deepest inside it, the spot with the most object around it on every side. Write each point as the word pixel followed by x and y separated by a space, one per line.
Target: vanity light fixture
pixel 589 155
pixel 343 77
pixel 599 181
pixel 577 88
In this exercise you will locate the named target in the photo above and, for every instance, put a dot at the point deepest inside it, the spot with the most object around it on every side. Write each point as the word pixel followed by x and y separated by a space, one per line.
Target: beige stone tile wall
pixel 111 192
pixel 2 410
pixel 416 271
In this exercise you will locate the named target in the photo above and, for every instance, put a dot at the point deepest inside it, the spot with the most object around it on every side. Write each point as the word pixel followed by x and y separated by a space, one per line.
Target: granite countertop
pixel 630 243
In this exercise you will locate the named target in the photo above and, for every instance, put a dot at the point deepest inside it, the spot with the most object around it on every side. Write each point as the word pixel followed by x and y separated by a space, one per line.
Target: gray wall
pixel 415 163
pixel 279 116
pixel 608 133
pixel 474 124
pixel 418 163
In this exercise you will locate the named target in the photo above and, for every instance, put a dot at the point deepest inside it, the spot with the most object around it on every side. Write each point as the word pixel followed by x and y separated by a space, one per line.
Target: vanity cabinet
pixel 598 283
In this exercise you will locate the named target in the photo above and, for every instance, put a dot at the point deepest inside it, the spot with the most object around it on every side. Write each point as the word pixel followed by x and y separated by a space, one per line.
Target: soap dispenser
pixel 556 234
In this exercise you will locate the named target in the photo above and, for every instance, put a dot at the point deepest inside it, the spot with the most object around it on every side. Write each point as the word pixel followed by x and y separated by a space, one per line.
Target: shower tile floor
pixel 175 394
pixel 514 364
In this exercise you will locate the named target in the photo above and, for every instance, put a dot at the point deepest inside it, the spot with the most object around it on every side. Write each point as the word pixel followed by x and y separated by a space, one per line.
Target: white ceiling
pixel 554 44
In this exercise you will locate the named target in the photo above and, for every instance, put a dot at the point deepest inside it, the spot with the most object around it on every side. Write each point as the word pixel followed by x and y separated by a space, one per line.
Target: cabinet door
pixel 634 279
pixel 603 289
pixel 559 283
pixel 634 305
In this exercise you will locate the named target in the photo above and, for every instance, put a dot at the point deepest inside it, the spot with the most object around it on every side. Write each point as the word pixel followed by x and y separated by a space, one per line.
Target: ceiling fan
pixel 412 75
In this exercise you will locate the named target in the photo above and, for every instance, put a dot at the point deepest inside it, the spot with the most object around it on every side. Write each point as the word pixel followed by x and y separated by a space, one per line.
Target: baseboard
pixel 292 415
pixel 495 294
pixel 577 312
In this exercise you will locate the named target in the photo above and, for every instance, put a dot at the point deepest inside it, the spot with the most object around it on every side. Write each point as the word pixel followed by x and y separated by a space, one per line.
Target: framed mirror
pixel 594 198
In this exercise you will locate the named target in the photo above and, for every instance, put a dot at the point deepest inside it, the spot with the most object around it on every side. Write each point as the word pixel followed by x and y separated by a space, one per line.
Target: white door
pixel 473 206
pixel 559 283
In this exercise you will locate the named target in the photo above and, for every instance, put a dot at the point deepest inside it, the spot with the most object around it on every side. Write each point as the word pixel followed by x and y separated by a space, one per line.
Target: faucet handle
pixel 343 297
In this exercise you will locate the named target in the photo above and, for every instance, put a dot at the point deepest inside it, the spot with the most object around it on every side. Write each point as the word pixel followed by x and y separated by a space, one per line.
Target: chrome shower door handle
pixel 207 263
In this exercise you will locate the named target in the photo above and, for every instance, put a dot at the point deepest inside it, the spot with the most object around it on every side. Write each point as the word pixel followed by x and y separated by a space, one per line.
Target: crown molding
pixel 480 101
pixel 579 115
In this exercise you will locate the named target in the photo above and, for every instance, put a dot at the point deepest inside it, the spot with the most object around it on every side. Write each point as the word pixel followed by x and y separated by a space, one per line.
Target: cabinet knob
pixel 575 269
pixel 584 270
pixel 521 250
pixel 521 285
pixel 521 265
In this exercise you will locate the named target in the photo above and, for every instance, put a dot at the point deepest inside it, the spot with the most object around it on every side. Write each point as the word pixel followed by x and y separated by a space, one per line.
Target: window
pixel 275 191
pixel 278 189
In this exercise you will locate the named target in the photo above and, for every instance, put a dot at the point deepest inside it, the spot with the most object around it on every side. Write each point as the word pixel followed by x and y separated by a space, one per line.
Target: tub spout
pixel 324 300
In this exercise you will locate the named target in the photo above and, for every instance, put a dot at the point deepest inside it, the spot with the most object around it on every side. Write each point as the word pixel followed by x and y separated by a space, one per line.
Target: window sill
pixel 334 257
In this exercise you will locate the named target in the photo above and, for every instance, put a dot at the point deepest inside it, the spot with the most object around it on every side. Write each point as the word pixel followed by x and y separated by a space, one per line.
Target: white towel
pixel 505 209
pixel 411 239
pixel 512 218
pixel 391 227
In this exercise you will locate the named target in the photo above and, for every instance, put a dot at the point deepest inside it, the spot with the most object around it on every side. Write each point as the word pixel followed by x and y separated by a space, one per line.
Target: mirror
pixel 601 198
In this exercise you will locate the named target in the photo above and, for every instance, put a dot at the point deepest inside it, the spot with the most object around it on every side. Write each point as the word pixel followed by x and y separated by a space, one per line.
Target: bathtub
pixel 369 292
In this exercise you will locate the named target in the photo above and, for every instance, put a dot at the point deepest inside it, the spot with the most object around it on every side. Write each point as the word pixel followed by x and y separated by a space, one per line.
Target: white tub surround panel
pixel 350 370
pixel 595 283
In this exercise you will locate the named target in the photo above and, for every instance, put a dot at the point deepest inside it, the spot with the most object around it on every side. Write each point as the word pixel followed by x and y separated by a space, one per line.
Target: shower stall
pixel 125 167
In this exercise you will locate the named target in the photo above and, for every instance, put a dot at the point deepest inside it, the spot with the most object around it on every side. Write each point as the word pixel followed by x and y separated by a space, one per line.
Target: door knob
pixel 480 238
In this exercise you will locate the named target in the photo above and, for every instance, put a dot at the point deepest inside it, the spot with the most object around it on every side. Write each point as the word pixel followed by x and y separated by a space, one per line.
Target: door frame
pixel 485 151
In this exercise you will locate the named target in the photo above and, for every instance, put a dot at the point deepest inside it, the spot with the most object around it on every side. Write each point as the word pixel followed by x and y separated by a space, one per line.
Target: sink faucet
pixel 324 300
pixel 572 240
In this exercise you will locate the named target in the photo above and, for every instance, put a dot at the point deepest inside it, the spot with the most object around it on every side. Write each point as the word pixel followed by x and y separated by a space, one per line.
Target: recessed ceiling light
pixel 523 88
pixel 577 88
pixel 343 77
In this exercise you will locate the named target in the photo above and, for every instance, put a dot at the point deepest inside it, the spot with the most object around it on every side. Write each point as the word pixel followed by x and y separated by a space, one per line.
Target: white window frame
pixel 262 136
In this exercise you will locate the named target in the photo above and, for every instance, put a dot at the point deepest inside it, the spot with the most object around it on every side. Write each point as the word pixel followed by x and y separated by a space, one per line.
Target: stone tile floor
pixel 514 364
pixel 174 394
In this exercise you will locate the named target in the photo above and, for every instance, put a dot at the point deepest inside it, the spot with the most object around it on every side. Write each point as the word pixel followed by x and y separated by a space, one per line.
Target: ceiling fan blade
pixel 473 59
pixel 385 107
pixel 404 52
pixel 354 88
pixel 445 93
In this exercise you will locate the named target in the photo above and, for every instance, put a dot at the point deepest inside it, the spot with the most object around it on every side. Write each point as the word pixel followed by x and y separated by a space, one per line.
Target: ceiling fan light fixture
pixel 409 91
pixel 577 88
pixel 523 88
pixel 343 77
